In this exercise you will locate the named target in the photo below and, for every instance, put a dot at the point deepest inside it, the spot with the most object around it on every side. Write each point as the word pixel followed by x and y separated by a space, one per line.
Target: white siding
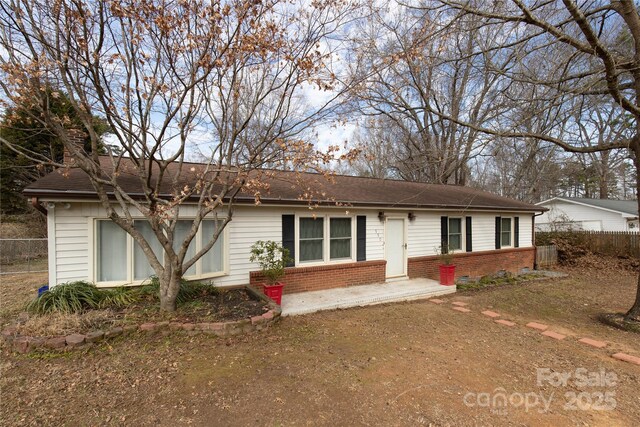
pixel 484 231
pixel 72 241
pixel 375 235
pixel 248 226
pixel 526 230
pixel 51 246
pixel 424 231
pixel 594 218
pixel 73 237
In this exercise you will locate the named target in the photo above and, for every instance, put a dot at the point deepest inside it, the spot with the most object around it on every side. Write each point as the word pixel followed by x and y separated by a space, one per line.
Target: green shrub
pixel 272 258
pixel 118 297
pixel 76 297
pixel 72 297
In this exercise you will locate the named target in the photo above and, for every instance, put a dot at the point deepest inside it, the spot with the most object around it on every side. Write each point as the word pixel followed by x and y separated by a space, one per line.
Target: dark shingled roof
pixel 287 187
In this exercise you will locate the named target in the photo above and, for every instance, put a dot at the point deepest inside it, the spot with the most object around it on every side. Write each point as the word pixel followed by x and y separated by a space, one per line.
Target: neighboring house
pixel 384 229
pixel 588 214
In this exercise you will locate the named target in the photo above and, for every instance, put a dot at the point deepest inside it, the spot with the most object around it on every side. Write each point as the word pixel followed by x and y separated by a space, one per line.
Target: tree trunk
pixel 604 185
pixel 169 287
pixel 634 311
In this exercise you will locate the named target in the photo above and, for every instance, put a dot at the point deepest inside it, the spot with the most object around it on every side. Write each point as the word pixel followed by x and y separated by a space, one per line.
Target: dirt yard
pixel 398 364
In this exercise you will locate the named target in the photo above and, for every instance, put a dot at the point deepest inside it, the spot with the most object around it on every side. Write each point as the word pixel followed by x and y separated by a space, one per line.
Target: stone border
pixel 25 344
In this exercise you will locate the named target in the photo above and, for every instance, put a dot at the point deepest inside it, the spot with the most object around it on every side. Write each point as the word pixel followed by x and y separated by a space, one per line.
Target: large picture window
pixel 111 246
pixel 114 248
pixel 505 232
pixel 180 233
pixel 141 268
pixel 212 261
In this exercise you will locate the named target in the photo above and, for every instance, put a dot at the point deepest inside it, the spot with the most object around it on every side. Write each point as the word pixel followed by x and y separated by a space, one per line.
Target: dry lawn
pixel 395 364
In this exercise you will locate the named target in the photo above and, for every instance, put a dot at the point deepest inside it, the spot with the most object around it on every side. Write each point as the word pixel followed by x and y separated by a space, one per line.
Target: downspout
pixel 36 204
pixel 533 239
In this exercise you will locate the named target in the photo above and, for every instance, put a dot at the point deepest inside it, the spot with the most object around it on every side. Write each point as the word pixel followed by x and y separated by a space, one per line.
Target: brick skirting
pixel 475 264
pixel 302 279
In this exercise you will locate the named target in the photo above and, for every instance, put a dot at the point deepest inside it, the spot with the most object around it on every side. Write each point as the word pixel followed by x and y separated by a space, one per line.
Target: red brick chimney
pixel 75 137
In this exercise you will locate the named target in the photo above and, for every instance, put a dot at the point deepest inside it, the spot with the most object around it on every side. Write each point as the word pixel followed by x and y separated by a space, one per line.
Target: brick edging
pixel 25 344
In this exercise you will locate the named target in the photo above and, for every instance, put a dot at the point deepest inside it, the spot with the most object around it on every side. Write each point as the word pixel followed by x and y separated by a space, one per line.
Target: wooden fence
pixel 546 256
pixel 615 243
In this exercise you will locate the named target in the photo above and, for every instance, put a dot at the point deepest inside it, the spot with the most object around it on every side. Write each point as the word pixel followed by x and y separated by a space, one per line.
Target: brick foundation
pixel 302 279
pixel 475 264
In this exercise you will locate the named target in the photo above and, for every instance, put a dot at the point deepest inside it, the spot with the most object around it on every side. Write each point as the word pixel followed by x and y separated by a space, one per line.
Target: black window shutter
pixel 516 232
pixel 444 233
pixel 289 237
pixel 361 238
pixel 467 228
pixel 498 229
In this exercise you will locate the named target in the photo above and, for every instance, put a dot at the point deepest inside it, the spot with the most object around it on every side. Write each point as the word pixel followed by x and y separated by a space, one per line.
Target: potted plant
pixel 447 268
pixel 272 258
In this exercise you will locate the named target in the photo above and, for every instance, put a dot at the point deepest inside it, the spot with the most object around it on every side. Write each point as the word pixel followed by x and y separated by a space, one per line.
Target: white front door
pixel 395 247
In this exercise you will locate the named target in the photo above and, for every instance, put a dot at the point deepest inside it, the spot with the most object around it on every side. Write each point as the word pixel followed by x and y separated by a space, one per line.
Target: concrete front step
pixel 358 296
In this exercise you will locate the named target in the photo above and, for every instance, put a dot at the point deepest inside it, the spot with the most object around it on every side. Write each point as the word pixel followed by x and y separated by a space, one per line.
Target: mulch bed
pixel 227 305
pixel 224 306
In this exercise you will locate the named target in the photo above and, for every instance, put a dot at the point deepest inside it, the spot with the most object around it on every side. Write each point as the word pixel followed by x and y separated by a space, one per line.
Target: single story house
pixel 364 230
pixel 588 214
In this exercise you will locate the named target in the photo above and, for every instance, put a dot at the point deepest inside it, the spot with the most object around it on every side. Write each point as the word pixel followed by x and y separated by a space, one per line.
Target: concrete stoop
pixel 359 296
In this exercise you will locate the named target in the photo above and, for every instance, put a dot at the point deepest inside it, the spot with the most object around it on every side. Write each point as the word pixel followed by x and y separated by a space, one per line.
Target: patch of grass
pixel 68 323
pixel 48 355
pixel 491 281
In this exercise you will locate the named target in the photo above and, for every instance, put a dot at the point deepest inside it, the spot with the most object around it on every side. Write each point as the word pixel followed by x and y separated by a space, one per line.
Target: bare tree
pixel 173 78
pixel 591 50
pixel 379 156
pixel 417 75
pixel 598 125
pixel 523 169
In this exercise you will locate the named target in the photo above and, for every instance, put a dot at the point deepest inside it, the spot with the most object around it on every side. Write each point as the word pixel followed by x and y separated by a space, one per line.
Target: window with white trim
pixel 455 234
pixel 505 231
pixel 114 248
pixel 339 238
pixel 141 268
pixel 311 239
pixel 325 238
pixel 111 251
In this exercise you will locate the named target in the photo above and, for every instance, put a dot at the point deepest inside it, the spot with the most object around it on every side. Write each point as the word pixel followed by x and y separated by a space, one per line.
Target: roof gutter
pixel 82 195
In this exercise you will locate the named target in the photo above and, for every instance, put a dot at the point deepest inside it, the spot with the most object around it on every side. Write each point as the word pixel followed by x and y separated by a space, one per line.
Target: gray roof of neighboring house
pixel 285 188
pixel 625 206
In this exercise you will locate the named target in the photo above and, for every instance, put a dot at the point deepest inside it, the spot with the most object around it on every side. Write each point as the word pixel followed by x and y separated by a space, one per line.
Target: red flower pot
pixel 447 275
pixel 274 291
